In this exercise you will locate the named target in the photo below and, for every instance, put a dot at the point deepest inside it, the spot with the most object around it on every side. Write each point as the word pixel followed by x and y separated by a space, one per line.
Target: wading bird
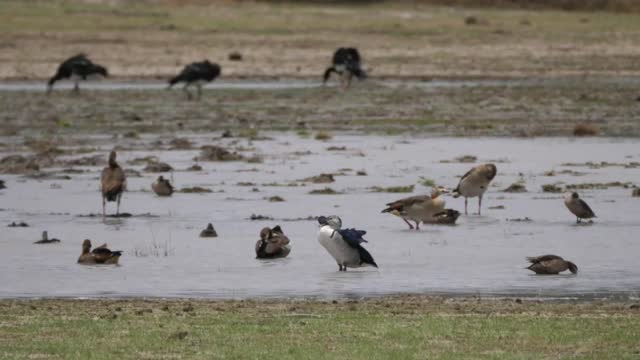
pixel 343 244
pixel 196 74
pixel 273 243
pixel 421 208
pixel 76 68
pixel 474 183
pixel 113 182
pixel 578 207
pixel 346 63
pixel 550 265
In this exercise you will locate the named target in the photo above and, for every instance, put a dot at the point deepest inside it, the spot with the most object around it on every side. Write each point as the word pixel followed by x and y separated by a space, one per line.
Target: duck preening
pixel 273 243
pixel 77 68
pixel 343 244
pixel 474 184
pixel 446 217
pixel 346 63
pixel 209 231
pixel 162 187
pixel 113 182
pixel 197 74
pixel 99 255
pixel 550 265
pixel 45 239
pixel 578 207
pixel 421 208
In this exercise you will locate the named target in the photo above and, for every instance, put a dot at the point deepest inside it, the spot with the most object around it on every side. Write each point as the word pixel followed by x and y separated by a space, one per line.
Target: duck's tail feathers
pixel 327 74
pixel 365 257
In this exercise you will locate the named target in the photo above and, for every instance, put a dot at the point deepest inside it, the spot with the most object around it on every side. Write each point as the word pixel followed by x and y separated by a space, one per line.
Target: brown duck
pixel 273 243
pixel 162 187
pixel 45 239
pixel 113 182
pixel 578 207
pixel 99 255
pixel 550 265
pixel 209 231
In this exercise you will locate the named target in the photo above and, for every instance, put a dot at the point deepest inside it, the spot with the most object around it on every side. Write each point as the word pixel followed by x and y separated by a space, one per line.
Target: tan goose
pixel 273 243
pixel 550 265
pixel 421 208
pixel 113 182
pixel 578 207
pixel 99 255
pixel 162 187
pixel 474 184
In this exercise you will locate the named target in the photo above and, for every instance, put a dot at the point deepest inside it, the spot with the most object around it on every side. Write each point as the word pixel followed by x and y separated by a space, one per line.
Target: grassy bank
pixel 401 327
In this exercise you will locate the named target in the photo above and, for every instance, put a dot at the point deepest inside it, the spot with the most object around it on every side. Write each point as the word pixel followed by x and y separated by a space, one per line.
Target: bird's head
pixel 438 190
pixel 332 220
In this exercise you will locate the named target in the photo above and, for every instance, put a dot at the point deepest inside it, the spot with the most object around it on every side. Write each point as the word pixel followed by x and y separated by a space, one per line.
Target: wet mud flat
pixel 524 107
pixel 164 256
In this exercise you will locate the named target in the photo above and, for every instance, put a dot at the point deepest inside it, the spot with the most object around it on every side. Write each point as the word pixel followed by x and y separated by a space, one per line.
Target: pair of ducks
pixel 430 209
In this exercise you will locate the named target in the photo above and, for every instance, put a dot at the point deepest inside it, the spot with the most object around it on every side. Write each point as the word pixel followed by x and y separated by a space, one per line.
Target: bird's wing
pixel 538 259
pixel 584 205
pixel 399 205
pixel 352 237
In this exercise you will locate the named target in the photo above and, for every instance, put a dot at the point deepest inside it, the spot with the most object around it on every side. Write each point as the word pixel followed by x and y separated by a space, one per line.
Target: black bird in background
pixel 76 68
pixel 346 63
pixel 197 74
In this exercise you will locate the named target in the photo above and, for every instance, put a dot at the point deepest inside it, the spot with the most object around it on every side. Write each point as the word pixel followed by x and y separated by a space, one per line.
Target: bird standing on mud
pixel 197 74
pixel 578 207
pixel 99 255
pixel 421 208
pixel 76 68
pixel 113 182
pixel 550 265
pixel 273 243
pixel 343 244
pixel 474 183
pixel 346 63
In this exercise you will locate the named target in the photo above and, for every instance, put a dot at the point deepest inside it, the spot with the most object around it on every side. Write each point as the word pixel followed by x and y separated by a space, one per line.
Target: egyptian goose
pixel 578 207
pixel 77 68
pixel 343 244
pixel 197 74
pixel 99 255
pixel 474 184
pixel 273 243
pixel 346 63
pixel 550 265
pixel 421 208
pixel 113 182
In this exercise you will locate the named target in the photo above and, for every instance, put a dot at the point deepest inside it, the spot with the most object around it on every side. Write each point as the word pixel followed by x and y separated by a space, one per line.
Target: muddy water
pixel 164 257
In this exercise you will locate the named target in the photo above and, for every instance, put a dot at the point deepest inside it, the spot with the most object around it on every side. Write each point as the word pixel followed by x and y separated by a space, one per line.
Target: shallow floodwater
pixel 480 255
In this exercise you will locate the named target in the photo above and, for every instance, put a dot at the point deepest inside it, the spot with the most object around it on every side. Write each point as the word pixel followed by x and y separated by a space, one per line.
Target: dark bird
pixel 346 63
pixel 45 239
pixel 76 68
pixel 209 231
pixel 344 245
pixel 578 207
pixel 162 187
pixel 474 183
pixel 273 243
pixel 550 265
pixel 196 74
pixel 446 217
pixel 113 182
pixel 99 255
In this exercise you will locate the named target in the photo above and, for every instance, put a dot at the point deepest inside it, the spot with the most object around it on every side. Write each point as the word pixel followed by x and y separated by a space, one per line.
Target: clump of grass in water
pixel 427 182
pixel 585 130
pixel 323 136
pixel 155 248
pixel 393 189
pixel 325 191
pixel 551 188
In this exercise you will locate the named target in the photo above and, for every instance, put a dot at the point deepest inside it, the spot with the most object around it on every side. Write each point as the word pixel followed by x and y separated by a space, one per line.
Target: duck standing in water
pixel 113 182
pixel 197 73
pixel 45 239
pixel 162 187
pixel 474 184
pixel 550 265
pixel 578 207
pixel 343 244
pixel 77 68
pixel 346 63
pixel 99 255
pixel 273 243
pixel 421 208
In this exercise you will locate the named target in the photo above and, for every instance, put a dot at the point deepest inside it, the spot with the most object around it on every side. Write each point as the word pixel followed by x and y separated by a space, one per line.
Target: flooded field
pixel 164 257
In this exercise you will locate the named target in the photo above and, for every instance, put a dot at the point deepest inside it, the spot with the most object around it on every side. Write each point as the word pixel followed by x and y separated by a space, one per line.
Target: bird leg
pixel 417 225
pixel 199 88
pixel 118 204
pixel 103 207
pixel 349 76
pixel 408 223
pixel 479 203
pixel 186 90
pixel 76 86
pixel 577 220
pixel 465 206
